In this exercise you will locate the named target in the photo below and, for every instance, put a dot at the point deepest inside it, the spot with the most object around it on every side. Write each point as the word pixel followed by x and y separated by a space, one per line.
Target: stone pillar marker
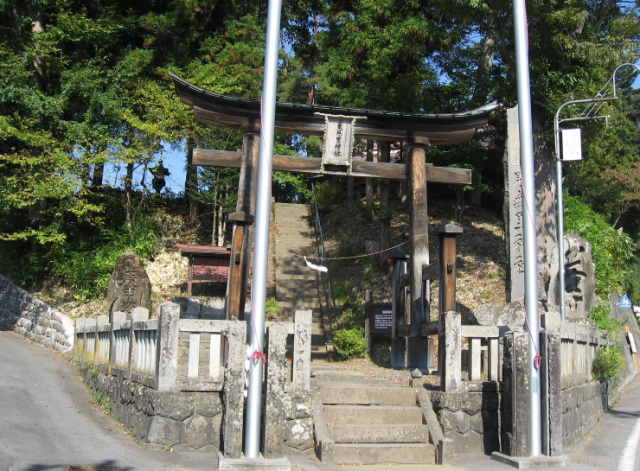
pixel 302 351
pixel 169 327
pixel 451 375
pixel 551 388
pixel 513 210
pixel 277 372
pixel 515 428
pixel 234 376
pixel 516 417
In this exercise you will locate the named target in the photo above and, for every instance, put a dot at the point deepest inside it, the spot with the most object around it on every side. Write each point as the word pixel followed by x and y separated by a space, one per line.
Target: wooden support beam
pixel 447 262
pixel 430 272
pixel 286 163
pixel 243 229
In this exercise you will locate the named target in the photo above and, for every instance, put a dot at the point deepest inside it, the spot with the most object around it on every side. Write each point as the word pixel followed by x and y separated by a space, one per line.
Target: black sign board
pixel 381 318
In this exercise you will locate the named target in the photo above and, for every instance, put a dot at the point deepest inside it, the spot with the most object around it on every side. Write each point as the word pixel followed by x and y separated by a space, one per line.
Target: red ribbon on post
pixel 257 355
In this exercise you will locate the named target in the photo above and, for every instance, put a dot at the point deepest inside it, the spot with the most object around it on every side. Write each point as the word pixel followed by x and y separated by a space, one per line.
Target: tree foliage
pixel 87 107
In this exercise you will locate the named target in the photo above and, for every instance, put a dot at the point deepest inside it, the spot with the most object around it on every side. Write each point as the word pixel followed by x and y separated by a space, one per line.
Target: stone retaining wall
pixel 182 421
pixel 582 407
pixel 470 418
pixel 33 319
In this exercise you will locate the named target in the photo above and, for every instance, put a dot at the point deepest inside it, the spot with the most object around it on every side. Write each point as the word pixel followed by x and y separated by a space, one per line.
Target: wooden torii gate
pixel 339 126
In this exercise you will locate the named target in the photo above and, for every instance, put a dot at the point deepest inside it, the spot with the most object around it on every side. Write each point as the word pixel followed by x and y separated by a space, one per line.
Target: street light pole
pixel 560 196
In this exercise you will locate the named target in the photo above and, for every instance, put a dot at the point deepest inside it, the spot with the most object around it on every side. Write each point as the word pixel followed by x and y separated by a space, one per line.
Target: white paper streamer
pixel 315 267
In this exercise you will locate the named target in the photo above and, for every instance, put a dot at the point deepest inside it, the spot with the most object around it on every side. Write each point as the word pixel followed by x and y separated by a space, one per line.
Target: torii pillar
pixel 243 227
pixel 415 150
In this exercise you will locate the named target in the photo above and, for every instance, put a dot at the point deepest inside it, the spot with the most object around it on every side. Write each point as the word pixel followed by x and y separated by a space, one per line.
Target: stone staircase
pixel 297 286
pixel 372 425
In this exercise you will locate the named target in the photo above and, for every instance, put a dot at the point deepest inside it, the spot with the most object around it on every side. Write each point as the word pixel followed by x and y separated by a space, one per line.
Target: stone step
pixel 379 433
pixel 372 415
pixel 369 396
pixel 299 301
pixel 378 453
pixel 289 275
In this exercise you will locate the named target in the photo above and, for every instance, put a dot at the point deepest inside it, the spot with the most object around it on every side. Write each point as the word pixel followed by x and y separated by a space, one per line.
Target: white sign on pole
pixel 571 144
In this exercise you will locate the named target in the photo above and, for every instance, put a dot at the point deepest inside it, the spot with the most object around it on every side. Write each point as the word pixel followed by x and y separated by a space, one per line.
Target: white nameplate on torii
pixel 338 143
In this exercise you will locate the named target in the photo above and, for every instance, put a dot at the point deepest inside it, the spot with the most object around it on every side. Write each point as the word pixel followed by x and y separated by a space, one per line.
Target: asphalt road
pixel 49 422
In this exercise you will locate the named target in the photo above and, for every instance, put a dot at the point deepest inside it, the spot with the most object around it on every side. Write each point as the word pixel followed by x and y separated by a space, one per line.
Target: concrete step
pixel 379 433
pixel 354 454
pixel 369 396
pixel 372 415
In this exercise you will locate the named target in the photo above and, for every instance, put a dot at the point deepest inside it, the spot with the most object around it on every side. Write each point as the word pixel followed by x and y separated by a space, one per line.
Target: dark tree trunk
pixel 191 181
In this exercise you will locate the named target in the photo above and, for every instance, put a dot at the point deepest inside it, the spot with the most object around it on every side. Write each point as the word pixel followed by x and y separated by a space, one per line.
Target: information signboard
pixel 381 318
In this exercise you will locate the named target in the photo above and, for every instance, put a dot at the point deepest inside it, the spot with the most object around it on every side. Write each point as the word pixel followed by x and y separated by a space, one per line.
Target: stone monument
pixel 513 209
pixel 129 286
pixel 580 278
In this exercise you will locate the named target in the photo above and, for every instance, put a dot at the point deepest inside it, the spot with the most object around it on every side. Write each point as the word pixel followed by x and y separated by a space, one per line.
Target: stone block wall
pixel 33 319
pixel 182 421
pixel 471 418
pixel 582 407
pixel 298 425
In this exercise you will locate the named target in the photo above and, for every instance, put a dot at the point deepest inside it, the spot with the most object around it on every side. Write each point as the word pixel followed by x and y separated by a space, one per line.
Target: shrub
pixel 612 249
pixel 88 268
pixel 608 363
pixel 350 343
pixel 601 317
pixel 326 194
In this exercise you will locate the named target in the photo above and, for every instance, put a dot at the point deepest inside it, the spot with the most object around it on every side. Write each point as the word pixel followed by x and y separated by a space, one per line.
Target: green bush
pixel 88 268
pixel 326 194
pixel 601 317
pixel 350 343
pixel 608 364
pixel 612 249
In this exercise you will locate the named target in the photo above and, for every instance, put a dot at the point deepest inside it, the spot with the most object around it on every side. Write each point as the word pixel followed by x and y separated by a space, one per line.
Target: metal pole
pixel 529 218
pixel 261 248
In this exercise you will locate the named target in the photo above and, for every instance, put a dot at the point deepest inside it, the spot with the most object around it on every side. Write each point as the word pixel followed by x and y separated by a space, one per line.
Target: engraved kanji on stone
pixel 129 286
